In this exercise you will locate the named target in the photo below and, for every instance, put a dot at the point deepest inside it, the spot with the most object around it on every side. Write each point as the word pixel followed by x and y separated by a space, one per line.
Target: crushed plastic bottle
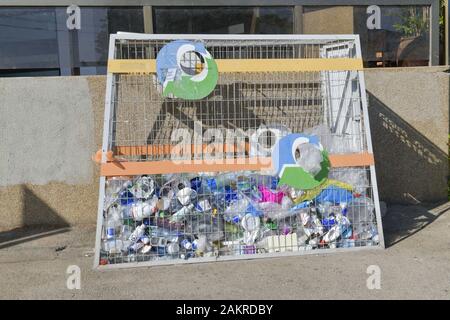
pixel 235 213
pixel 181 214
pixel 143 187
pixel 355 177
pixel 335 232
pixel 310 158
pixel 141 209
pixel 137 233
pixel 251 225
pixel 361 212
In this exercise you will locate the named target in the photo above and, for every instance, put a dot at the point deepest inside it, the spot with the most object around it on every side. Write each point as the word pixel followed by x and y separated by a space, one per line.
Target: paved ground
pixel 415 265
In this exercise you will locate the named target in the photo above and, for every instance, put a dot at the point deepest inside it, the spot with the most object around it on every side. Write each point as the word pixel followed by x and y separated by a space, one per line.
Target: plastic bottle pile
pixel 189 216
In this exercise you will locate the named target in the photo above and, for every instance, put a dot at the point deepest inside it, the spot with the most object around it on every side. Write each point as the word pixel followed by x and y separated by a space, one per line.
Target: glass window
pixel 90 43
pixel 224 20
pixel 37 42
pixel 275 20
pixel 403 39
pixel 398 37
pixel 28 40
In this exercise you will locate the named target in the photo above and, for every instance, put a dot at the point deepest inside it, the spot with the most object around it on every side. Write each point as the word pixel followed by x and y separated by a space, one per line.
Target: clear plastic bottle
pixel 182 213
pixel 361 213
pixel 337 230
pixel 236 210
pixel 113 246
pixel 137 233
pixel 310 158
pixel 286 203
pixel 143 187
pixel 141 210
pixel 275 211
pixel 113 223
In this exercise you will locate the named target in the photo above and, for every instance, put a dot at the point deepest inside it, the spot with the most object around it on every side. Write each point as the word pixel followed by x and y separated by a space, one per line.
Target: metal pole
pixel 298 19
pixel 446 33
pixel 434 36
pixel 148 19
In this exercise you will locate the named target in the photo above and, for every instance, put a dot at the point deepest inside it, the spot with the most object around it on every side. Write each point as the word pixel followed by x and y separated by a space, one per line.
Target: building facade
pixel 70 37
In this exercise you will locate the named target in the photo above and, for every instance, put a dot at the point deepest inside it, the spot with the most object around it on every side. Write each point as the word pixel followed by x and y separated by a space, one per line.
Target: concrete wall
pixel 408 111
pixel 50 127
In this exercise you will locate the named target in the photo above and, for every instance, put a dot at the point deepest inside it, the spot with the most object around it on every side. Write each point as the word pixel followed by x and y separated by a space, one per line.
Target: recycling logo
pixel 307 172
pixel 186 70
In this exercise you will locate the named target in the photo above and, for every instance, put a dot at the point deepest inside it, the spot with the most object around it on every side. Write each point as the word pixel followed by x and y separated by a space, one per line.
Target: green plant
pixel 414 22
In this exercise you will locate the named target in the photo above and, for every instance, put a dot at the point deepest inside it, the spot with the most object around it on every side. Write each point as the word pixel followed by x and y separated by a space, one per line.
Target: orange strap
pixel 132 168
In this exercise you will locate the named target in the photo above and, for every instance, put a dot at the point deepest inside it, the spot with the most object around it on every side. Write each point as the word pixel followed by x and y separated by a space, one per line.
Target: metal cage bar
pixel 138 125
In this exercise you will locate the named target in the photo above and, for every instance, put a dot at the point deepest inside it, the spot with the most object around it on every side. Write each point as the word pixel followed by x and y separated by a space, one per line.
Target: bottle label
pixel 110 233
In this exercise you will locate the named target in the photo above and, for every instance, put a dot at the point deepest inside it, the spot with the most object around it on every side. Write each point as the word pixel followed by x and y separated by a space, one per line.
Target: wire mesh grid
pixel 244 102
pixel 152 218
pixel 168 218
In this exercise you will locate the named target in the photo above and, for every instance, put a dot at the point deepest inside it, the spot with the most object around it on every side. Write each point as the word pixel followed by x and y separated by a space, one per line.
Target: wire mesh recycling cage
pixel 220 147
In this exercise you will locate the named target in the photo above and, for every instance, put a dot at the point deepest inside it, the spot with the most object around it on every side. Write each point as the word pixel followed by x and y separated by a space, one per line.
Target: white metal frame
pixel 106 141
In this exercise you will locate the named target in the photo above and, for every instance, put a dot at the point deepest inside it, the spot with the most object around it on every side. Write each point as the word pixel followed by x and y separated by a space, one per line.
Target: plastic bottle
pixel 301 236
pixel 173 249
pixel 170 235
pixel 203 205
pixel 113 222
pixel 236 210
pixel 186 244
pixel 239 207
pixel 181 214
pixel 113 246
pixel 310 158
pixel 126 197
pixel 174 205
pixel 275 211
pixel 360 212
pixel 125 232
pixel 336 231
pixel 201 245
pixel 186 196
pixel 291 192
pixel 137 233
pixel 315 224
pixel 209 185
pixel 196 184
pixel 226 179
pixel 141 210
pixel 352 176
pixel 286 203
pixel 143 187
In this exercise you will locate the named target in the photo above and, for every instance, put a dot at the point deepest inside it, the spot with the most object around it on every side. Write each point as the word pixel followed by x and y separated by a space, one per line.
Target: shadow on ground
pixel 34 212
pixel 402 222
pixel 412 171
